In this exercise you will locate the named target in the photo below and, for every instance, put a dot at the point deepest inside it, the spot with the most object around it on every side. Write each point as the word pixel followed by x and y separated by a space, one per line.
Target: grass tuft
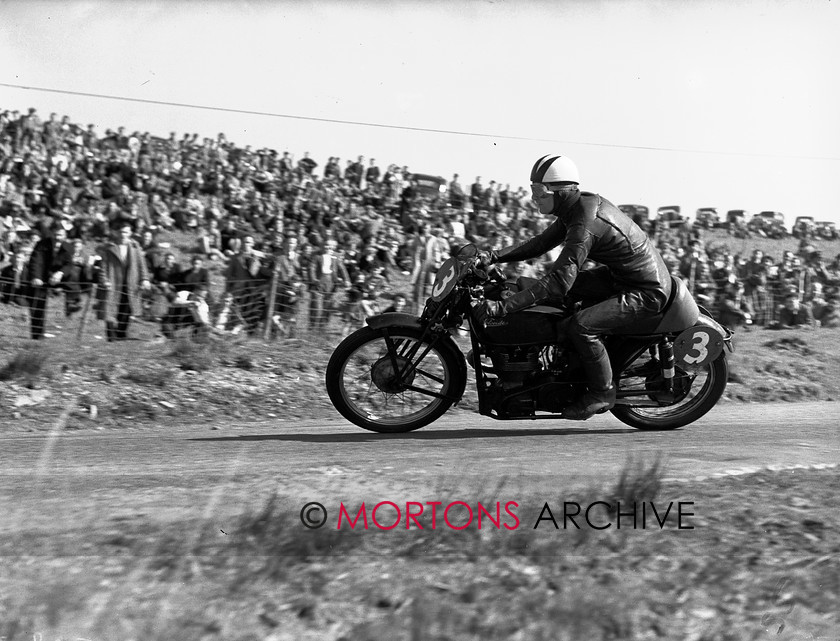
pixel 26 364
pixel 267 534
pixel 191 356
pixel 156 377
pixel 638 482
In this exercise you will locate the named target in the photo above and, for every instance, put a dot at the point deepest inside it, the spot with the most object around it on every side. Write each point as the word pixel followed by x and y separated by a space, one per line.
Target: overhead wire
pixel 380 125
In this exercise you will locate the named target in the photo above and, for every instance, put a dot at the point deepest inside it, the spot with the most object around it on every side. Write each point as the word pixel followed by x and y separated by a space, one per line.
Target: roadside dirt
pixel 136 384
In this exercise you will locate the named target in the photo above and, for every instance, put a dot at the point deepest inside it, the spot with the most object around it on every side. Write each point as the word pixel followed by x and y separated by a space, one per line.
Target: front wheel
pixel 388 380
pixel 696 393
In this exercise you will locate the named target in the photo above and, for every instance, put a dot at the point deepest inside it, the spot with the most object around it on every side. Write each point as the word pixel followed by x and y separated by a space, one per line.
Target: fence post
pixel 272 293
pixel 83 319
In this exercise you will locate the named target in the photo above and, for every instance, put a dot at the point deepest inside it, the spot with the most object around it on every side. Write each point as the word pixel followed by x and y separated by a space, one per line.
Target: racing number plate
pixel 445 280
pixel 697 346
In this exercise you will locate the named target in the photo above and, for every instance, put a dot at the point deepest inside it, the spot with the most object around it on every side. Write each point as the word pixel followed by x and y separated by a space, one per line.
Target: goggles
pixel 540 191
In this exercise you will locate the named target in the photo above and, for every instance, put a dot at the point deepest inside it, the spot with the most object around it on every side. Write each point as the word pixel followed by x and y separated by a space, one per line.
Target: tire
pixel 693 401
pixel 362 385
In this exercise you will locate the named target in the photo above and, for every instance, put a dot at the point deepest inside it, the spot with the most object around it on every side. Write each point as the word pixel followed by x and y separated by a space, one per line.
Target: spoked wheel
pixel 695 392
pixel 388 380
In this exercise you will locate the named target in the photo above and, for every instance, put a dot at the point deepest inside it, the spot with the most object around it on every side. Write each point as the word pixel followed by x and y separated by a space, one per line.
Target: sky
pixel 703 103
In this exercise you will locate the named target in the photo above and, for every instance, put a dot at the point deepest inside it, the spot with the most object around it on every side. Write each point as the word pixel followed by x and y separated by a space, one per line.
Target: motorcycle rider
pixel 631 283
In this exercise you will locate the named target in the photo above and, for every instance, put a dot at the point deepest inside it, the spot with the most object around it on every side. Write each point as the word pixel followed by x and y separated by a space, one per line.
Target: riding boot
pixel 600 396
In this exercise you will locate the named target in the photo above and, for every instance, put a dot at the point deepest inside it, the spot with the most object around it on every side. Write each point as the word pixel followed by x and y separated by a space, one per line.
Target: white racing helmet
pixel 553 169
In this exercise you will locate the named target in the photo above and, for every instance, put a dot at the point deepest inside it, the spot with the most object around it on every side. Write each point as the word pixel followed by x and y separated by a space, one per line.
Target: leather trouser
pixel 605 308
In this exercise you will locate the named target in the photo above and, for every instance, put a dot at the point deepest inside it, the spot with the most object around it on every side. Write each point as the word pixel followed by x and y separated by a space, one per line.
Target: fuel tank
pixel 532 326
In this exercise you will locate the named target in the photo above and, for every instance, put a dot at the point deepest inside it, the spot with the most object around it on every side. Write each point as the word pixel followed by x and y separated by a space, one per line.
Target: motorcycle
pixel 401 372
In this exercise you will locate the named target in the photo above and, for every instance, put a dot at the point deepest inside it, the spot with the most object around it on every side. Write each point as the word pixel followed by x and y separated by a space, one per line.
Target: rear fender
pixel 682 313
pixel 623 350
pixel 706 320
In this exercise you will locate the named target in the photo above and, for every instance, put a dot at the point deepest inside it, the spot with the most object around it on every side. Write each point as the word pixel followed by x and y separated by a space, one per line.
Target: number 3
pixel 701 339
pixel 441 285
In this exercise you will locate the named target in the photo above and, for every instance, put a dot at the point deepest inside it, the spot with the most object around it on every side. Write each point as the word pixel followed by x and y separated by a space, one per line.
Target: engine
pixel 513 365
pixel 529 379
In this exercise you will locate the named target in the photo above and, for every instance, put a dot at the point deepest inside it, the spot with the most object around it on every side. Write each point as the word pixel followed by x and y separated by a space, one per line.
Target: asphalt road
pixel 52 481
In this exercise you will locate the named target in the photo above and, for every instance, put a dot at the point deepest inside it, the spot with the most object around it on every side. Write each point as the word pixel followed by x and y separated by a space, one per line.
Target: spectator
pixel 734 308
pixel 123 274
pixel 194 277
pixel 372 174
pixel 357 172
pixel 77 279
pixel 55 168
pixel 428 254
pixel 49 263
pixel 326 276
pixel 151 249
pixel 210 241
pixel 830 312
pixel 306 165
pixel 456 193
pixel 14 289
pixel 354 311
pixel 165 280
pixel 332 170
pixel 817 301
pixel 289 292
pixel 245 279
pixel 793 314
pixel 756 276
pixel 231 238
pixel 397 305
pixel 187 309
pixel 476 194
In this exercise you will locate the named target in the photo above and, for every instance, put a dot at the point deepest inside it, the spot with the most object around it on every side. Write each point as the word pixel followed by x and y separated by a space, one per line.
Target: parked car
pixel 736 217
pixel 639 214
pixel 826 229
pixel 768 223
pixel 736 222
pixel 804 227
pixel 669 216
pixel 429 185
pixel 707 217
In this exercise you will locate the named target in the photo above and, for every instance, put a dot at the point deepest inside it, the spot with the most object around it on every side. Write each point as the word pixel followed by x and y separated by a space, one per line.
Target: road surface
pixel 52 481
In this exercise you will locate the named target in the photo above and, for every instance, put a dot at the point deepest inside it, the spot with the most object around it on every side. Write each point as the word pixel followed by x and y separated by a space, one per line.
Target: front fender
pixel 393 319
pixel 399 319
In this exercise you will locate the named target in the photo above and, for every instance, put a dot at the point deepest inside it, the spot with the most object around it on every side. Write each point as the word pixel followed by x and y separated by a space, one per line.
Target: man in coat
pixel 326 275
pixel 14 289
pixel 123 273
pixel 245 280
pixel 49 263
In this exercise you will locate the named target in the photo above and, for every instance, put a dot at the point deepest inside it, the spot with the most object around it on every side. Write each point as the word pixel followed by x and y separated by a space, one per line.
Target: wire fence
pixel 79 312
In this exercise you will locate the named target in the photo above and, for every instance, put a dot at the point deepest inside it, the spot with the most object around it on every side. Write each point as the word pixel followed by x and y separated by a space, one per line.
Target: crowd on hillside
pixel 332 239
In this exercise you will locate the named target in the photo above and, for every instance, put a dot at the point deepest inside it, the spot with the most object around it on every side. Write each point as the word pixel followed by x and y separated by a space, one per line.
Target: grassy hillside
pixel 138 383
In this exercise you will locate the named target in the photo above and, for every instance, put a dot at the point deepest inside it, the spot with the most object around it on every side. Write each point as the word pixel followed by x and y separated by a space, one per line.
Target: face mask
pixel 564 199
pixel 554 201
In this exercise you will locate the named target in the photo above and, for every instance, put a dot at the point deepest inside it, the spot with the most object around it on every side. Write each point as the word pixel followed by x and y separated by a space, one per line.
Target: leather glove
pixel 486 258
pixel 521 300
pixel 487 309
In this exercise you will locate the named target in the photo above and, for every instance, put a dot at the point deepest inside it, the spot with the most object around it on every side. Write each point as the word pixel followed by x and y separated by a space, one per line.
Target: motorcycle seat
pixel 679 313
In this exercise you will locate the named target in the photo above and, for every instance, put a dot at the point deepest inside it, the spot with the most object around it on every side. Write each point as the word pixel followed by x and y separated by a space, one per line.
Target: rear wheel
pixel 388 380
pixel 695 393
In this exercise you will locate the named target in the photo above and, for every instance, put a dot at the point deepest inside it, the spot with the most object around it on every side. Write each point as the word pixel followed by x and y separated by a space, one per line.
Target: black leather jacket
pixel 593 228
